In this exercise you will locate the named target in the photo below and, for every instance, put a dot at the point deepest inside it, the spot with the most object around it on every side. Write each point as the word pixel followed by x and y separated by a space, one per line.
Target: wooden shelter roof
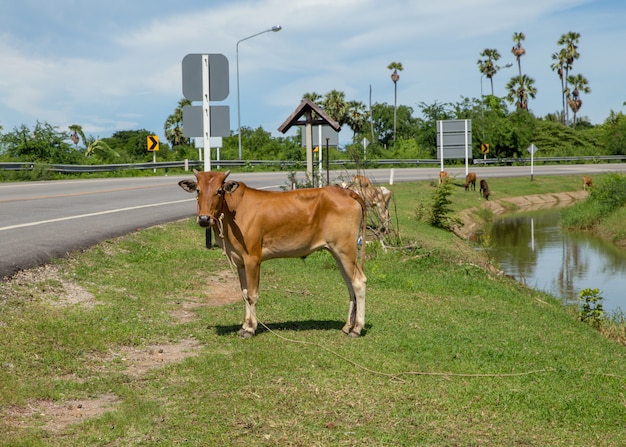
pixel 312 114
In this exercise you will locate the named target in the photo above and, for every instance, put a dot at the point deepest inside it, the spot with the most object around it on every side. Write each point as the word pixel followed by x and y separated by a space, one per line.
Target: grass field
pixel 133 342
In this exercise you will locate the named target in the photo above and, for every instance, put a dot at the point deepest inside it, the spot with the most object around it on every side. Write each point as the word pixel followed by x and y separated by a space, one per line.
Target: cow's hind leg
pixel 355 281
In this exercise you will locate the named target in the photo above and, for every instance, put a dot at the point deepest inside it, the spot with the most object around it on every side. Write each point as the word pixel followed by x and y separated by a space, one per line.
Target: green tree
pixel 560 61
pixel 614 135
pixel 520 88
pixel 335 106
pixel 356 117
pixel 487 66
pixel 100 151
pixel 395 77
pixel 44 144
pixel 77 134
pixel 383 123
pixel 427 126
pixel 517 50
pixel 132 145
pixel 569 42
pixel 173 126
pixel 580 84
pixel 315 98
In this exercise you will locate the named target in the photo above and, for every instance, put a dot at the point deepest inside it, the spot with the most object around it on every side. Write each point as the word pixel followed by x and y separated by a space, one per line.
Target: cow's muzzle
pixel 204 220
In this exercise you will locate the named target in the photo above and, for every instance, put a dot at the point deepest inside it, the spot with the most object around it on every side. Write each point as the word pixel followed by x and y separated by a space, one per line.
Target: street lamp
pixel 274 29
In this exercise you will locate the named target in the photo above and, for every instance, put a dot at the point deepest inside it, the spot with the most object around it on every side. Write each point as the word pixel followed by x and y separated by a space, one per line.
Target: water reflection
pixel 532 248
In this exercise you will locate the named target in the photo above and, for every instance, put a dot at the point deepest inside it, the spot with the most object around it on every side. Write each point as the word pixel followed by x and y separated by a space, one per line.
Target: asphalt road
pixel 40 221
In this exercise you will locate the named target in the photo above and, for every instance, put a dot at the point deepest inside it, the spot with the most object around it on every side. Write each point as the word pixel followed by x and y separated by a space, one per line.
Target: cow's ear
pixel 188 185
pixel 231 186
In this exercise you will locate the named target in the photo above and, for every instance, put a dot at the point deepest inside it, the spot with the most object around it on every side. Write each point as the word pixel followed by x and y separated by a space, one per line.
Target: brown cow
pixel 377 199
pixel 443 177
pixel 587 182
pixel 470 179
pixel 362 181
pixel 484 189
pixel 253 225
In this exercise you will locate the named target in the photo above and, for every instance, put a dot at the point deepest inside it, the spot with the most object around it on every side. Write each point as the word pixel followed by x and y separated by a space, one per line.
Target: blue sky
pixel 116 65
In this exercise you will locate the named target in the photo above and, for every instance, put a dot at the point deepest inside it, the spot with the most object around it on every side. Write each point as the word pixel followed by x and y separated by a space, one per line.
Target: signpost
pixel 205 78
pixel 532 149
pixel 153 146
pixel 454 140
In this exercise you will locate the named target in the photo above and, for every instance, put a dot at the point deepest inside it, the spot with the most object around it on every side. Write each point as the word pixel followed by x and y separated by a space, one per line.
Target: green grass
pixel 452 354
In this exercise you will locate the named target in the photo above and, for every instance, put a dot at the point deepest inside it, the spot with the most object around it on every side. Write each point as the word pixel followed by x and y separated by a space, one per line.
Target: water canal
pixel 532 248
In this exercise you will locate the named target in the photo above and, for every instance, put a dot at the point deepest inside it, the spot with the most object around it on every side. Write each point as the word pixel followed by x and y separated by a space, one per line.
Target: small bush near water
pixel 603 200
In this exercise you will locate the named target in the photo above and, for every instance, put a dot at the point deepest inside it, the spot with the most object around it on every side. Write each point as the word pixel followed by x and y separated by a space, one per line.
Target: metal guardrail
pixel 21 166
pixel 63 168
pixel 593 158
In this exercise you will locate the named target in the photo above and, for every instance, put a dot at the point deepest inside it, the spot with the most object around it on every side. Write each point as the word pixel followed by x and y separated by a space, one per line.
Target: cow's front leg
pixel 250 296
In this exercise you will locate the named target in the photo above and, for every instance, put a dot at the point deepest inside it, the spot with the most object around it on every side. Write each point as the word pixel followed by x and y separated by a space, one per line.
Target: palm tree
pixel 395 77
pixel 174 125
pixel 580 85
pixel 488 66
pixel 520 89
pixel 560 59
pixel 77 131
pixel 518 51
pixel 569 41
pixel 314 97
pixel 335 106
pixel 356 116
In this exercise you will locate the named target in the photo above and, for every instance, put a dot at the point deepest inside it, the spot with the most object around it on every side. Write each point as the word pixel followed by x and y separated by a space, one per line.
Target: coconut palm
pixel 518 51
pixel 395 77
pixel 174 125
pixel 580 85
pixel 560 59
pixel 520 89
pixel 488 65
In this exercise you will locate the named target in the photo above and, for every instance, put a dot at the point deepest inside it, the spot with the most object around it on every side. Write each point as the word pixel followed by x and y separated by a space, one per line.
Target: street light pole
pixel 274 29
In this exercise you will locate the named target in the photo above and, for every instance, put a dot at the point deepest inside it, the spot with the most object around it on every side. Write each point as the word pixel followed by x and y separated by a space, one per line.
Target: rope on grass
pixel 396 376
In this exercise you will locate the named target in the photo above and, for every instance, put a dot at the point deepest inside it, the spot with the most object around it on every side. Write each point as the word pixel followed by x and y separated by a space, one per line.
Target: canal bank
pixel 471 222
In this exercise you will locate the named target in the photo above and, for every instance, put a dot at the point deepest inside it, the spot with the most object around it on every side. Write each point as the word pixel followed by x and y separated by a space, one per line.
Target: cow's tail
pixel 363 229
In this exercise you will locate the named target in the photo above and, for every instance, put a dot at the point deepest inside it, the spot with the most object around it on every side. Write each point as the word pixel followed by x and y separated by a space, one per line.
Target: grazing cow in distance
pixel 362 181
pixel 587 182
pixel 470 179
pixel 252 226
pixel 443 177
pixel 376 199
pixel 484 189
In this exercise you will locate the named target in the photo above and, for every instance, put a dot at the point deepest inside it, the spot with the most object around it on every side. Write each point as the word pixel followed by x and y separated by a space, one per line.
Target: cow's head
pixel 209 187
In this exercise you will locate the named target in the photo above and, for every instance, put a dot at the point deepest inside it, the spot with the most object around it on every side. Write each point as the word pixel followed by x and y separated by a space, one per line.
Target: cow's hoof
pixel 245 334
pixel 353 334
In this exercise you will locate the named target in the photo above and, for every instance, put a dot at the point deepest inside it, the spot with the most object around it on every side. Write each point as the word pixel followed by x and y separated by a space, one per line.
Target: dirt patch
pixel 46 283
pixel 56 416
pixel 469 225
pixel 138 361
pixel 221 288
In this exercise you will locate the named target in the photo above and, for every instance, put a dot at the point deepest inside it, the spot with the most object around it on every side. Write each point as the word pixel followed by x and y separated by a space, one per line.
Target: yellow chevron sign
pixel 153 143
